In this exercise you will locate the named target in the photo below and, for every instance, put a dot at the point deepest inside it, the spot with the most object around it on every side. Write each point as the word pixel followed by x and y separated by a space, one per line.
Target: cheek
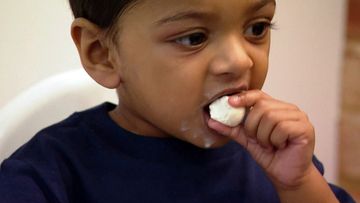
pixel 168 91
pixel 259 72
pixel 181 92
pixel 258 77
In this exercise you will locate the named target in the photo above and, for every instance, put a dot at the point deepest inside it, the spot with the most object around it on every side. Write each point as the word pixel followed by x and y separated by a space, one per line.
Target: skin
pixel 230 58
pixel 173 58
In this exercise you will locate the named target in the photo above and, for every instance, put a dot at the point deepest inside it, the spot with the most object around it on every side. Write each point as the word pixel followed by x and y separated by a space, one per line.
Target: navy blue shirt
pixel 89 158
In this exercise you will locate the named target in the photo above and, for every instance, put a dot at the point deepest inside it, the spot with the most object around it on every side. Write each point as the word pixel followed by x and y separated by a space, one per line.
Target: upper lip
pixel 228 91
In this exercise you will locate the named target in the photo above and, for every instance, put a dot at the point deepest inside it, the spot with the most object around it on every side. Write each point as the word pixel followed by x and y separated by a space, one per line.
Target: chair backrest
pixel 45 103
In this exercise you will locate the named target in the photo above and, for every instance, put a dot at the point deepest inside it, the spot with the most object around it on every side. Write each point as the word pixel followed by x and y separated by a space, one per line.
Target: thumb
pixel 236 133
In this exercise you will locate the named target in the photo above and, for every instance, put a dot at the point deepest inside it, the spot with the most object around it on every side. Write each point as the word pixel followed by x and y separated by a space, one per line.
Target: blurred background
pixel 315 63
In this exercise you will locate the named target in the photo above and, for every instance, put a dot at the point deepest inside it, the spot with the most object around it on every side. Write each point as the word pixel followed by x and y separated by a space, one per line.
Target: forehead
pixel 171 3
pixel 168 10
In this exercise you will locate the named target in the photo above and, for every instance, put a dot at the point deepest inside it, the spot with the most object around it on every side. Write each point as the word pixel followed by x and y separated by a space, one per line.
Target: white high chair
pixel 45 103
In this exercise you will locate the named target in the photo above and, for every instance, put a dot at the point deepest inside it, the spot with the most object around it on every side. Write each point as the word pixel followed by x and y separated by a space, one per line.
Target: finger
pixel 219 127
pixel 237 134
pixel 248 98
pixel 294 132
pixel 253 97
pixel 268 122
pixel 263 107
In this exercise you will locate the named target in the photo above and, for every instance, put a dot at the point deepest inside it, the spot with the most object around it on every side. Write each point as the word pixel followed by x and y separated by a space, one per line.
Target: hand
pixel 278 135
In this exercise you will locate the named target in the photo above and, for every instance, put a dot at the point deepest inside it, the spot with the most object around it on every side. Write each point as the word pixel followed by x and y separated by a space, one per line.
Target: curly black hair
pixel 103 13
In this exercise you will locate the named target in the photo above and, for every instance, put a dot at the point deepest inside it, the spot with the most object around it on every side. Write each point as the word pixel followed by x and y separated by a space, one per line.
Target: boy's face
pixel 175 57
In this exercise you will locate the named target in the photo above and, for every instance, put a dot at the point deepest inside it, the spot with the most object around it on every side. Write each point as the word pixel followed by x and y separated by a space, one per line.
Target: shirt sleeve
pixel 20 184
pixel 34 174
pixel 341 194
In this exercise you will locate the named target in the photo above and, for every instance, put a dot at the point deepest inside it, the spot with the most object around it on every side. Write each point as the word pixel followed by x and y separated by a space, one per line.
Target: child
pixel 168 60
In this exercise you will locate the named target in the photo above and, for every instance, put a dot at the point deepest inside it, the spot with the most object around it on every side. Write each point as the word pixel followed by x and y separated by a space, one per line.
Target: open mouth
pixel 206 108
pixel 206 113
pixel 228 92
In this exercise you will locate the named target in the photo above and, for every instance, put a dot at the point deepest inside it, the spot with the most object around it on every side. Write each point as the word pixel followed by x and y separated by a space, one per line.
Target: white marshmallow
pixel 221 111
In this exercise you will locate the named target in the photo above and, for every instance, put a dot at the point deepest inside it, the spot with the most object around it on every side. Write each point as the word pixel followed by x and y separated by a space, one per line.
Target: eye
pixel 257 30
pixel 192 40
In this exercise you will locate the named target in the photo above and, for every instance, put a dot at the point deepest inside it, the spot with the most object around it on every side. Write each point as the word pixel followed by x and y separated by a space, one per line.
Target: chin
pixel 214 143
pixel 200 135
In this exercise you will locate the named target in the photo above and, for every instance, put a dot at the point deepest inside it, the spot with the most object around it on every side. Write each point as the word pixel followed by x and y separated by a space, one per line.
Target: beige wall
pixel 306 60
pixel 305 64
pixel 34 43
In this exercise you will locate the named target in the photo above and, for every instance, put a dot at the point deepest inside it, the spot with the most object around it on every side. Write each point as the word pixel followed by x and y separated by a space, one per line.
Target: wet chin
pixel 199 134
pixel 210 142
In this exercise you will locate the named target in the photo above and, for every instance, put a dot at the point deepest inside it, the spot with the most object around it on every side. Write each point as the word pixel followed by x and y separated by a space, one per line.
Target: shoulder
pixel 67 135
pixel 46 166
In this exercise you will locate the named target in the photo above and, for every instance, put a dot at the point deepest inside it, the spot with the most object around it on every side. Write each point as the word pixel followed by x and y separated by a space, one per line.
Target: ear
pixel 94 53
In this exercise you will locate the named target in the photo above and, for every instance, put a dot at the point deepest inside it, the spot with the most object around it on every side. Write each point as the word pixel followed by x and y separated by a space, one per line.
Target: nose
pixel 231 59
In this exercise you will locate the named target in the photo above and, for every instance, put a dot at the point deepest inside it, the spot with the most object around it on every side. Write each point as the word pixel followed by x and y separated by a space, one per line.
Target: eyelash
pixel 264 30
pixel 201 37
pixel 186 40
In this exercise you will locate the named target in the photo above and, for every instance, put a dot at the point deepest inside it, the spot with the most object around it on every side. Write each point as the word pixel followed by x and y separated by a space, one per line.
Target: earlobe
pixel 94 53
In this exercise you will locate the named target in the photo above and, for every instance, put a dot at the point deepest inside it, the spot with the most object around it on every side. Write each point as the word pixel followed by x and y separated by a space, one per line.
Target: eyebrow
pixel 263 3
pixel 191 14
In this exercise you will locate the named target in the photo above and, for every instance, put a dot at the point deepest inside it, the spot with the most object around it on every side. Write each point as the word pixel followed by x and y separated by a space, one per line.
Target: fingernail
pixel 235 99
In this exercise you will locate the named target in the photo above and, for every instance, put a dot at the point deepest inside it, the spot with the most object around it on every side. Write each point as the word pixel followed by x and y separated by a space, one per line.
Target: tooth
pixel 221 111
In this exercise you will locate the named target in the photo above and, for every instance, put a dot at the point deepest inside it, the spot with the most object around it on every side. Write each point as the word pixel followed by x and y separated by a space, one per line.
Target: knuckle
pixel 250 131
pixel 290 106
pixel 303 116
pixel 265 140
pixel 276 140
pixel 234 132
pixel 282 126
pixel 270 115
pixel 261 93
pixel 261 104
